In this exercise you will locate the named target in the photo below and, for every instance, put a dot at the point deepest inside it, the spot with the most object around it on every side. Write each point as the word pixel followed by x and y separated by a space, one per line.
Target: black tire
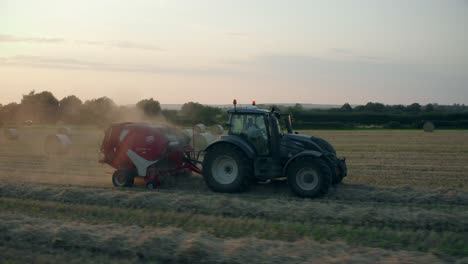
pixel 123 178
pixel 226 169
pixel 151 185
pixel 309 167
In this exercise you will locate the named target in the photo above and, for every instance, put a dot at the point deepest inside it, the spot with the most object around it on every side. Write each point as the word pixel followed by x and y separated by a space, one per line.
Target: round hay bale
pixel 11 133
pixel 28 122
pixel 217 129
pixel 57 144
pixel 428 126
pixel 188 132
pixel 64 130
pixel 199 128
pixel 201 141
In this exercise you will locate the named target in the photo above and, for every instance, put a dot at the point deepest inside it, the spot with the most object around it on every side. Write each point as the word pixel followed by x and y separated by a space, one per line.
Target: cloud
pixel 74 64
pixel 308 67
pixel 342 51
pixel 351 78
pixel 236 34
pixel 351 54
pixel 131 45
pixel 112 44
pixel 122 45
pixel 11 38
pixel 40 61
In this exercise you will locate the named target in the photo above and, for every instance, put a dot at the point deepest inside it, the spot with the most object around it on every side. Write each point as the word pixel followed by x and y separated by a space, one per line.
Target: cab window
pixel 252 128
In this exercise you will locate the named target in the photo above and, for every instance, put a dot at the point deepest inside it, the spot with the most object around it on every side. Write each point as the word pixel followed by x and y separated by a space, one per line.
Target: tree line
pixel 380 115
pixel 45 108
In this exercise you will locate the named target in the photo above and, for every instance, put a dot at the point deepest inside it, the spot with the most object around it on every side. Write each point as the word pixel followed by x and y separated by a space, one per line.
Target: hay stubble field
pixel 405 201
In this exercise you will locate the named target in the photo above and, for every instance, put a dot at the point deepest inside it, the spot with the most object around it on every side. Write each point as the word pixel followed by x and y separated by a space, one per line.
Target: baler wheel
pixel 123 178
pixel 151 185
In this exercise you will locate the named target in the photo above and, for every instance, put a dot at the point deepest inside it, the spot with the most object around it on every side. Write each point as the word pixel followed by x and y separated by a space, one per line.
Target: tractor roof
pixel 248 110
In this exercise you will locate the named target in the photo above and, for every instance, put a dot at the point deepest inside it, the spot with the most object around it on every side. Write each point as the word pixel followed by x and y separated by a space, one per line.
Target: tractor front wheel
pixel 123 178
pixel 309 177
pixel 226 169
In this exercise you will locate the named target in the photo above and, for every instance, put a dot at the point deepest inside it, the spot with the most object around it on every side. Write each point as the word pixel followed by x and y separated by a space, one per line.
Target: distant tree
pixel 396 108
pixel 413 108
pixel 211 115
pixel 40 107
pixel 150 107
pixel 198 113
pixel 429 108
pixel 69 108
pixel 359 108
pixel 99 111
pixel 170 115
pixel 70 101
pixel 191 110
pixel 9 112
pixel 374 107
pixel 297 108
pixel 346 108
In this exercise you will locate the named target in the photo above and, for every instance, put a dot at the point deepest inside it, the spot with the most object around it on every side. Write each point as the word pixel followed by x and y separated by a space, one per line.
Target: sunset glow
pixel 323 52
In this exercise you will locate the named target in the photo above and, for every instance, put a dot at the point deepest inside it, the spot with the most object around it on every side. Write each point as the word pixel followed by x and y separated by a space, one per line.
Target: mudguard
pixel 309 153
pixel 343 166
pixel 248 150
pixel 140 163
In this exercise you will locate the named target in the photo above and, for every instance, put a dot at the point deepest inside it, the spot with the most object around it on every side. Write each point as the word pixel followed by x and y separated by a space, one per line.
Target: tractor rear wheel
pixel 123 178
pixel 226 169
pixel 309 177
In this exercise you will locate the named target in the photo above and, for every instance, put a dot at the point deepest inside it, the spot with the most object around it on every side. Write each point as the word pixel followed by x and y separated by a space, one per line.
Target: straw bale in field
pixel 428 126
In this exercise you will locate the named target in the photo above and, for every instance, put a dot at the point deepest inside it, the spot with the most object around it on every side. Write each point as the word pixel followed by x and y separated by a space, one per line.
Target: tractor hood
pixel 297 142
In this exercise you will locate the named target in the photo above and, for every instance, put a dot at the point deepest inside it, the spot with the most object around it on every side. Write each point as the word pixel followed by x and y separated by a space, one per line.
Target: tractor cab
pixel 253 126
pixel 260 129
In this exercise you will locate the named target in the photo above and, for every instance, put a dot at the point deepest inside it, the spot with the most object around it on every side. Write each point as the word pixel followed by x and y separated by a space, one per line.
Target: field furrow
pixel 314 212
pixel 135 243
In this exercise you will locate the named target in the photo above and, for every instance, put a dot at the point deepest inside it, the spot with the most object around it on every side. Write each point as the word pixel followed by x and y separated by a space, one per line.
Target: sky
pixel 212 51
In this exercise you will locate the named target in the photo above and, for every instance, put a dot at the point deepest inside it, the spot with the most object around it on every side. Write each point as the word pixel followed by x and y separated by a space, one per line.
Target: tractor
pixel 256 150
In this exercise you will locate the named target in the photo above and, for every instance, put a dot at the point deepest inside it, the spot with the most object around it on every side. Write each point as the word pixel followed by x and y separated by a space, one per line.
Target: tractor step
pixel 267 168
